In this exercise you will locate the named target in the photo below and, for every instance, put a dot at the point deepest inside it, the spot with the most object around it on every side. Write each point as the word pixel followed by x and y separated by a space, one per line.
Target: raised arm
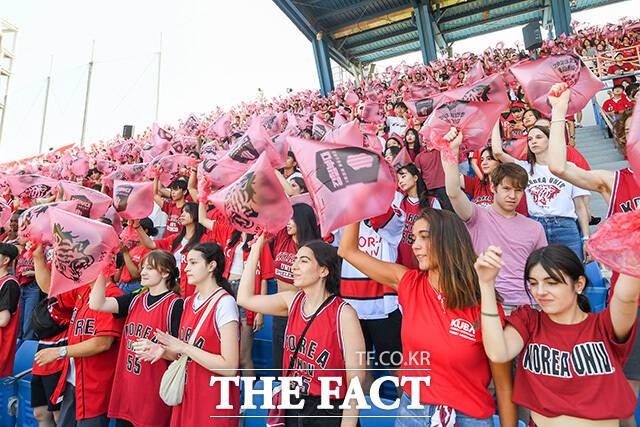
pixel 277 304
pixel 157 192
pixel 97 299
pixel 387 273
pixel 43 274
pixel 146 241
pixel 594 180
pixel 286 185
pixel 624 305
pixel 496 146
pixel 129 263
pixel 202 217
pixel 500 345
pixel 460 202
pixel 192 184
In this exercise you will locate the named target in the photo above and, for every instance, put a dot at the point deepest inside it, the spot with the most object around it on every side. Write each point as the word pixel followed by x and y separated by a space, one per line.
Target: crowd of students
pixel 478 264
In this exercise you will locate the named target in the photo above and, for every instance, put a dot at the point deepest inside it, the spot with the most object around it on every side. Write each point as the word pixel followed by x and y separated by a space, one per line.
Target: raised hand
pixel 488 265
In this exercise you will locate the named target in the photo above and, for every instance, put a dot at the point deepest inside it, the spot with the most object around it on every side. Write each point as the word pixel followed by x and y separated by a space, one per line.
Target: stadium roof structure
pixel 356 33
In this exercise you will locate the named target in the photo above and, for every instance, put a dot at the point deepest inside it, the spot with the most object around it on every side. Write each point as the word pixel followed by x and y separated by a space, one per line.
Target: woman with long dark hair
pixel 191 234
pixel 441 313
pixel 335 330
pixel 565 351
pixel 413 199
pixel 128 278
pixel 216 350
pixel 412 143
pixel 303 227
pixel 158 307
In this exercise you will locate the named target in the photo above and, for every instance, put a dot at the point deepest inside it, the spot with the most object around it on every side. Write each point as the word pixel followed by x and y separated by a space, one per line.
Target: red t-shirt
pixel 9 333
pixel 136 253
pixel 562 366
pixel 616 106
pixel 24 264
pixel 94 374
pixel 405 252
pixel 284 254
pixel 445 345
pixel 627 68
pixel 173 221
pixel 430 165
pixel 574 156
pixel 481 194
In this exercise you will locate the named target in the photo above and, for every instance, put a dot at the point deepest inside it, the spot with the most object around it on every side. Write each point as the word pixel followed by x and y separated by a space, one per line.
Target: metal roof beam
pixel 382 49
pixel 486 8
pixel 381 38
pixel 494 29
pixel 424 22
pixel 340 10
pixel 391 55
pixel 490 20
pixel 298 19
pixel 369 21
pixel 561 17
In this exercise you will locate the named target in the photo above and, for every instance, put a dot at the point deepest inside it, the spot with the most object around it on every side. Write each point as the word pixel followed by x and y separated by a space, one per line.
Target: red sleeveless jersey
pixel 625 197
pixel 200 399
pixel 134 378
pixel 8 336
pixel 321 353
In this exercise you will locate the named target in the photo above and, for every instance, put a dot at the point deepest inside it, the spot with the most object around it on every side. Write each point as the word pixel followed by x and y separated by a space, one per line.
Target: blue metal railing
pixel 597 108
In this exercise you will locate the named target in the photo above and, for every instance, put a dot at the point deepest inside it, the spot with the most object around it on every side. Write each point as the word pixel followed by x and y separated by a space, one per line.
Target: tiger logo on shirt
pixel 543 194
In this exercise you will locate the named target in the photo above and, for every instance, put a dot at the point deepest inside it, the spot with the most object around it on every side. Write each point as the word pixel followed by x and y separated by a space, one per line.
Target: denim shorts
pixel 235 284
pixel 563 230
pixel 422 417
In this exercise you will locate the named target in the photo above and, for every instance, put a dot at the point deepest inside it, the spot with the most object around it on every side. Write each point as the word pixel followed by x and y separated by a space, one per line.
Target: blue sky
pixel 214 53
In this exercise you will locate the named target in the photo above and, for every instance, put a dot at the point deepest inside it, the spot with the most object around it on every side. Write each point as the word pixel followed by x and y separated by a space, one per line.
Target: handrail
pixel 603 61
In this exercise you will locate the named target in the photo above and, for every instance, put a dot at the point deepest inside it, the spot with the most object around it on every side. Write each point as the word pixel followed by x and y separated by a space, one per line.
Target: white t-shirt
pixel 396 125
pixel 159 218
pixel 226 310
pixel 178 253
pixel 548 195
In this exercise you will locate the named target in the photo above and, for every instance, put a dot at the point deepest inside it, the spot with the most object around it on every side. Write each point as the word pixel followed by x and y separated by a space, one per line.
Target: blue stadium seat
pixel 595 276
pixel 256 417
pixel 262 357
pixel 24 357
pixel 378 417
pixel 8 389
pixel 597 298
pixel 265 332
pixel 25 411
pixel 496 422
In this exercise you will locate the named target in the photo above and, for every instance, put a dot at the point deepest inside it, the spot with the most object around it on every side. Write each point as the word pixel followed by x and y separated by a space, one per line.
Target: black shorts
pixel 384 335
pixel 631 369
pixel 42 388
pixel 310 416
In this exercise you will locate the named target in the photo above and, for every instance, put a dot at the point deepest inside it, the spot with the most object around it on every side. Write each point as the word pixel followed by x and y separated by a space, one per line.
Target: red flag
pixel 133 200
pixel 34 224
pixel 537 77
pixel 256 201
pixel 91 203
pixel 402 159
pixel 347 184
pixel 615 243
pixel 169 168
pixel 469 109
pixel 633 144
pixel 31 186
pixel 373 112
pixel 83 248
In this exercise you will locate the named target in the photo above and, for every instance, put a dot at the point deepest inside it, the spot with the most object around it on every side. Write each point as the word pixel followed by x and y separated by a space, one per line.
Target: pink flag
pixel 402 159
pixel 320 127
pixel 106 167
pixel 347 184
pixel 34 224
pixel 633 144
pixel 373 112
pixel 256 201
pixel 615 243
pixel 255 141
pixel 116 221
pixel 191 125
pixel 133 200
pixel 421 108
pixel 121 152
pixel 221 127
pixel 469 109
pixel 5 213
pixel 127 172
pixel 217 171
pixel 351 98
pixel 31 186
pixel 83 248
pixel 347 134
pixel 91 203
pixel 475 73
pixel 169 168
pixel 160 137
pixel 419 90
pixel 515 147
pixel 537 77
pixel 339 119
pixel 80 165
pixel 375 92
pixel 272 123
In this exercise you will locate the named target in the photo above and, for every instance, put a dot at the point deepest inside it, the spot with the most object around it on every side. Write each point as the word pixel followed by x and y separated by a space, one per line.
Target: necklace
pixel 440 297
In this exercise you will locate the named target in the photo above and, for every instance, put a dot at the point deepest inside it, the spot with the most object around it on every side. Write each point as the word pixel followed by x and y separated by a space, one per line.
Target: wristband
pixel 558 121
pixel 585 238
pixel 490 314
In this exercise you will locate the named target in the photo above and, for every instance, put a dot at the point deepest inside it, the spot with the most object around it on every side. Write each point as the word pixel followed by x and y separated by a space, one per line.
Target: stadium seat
pixel 265 332
pixel 24 357
pixel 378 417
pixel 595 276
pixel 8 390
pixel 25 411
pixel 256 417
pixel 597 298
pixel 262 349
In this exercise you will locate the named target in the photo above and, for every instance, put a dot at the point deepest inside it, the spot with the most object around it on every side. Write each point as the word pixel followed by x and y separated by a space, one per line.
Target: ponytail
pixel 164 262
pixel 212 251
